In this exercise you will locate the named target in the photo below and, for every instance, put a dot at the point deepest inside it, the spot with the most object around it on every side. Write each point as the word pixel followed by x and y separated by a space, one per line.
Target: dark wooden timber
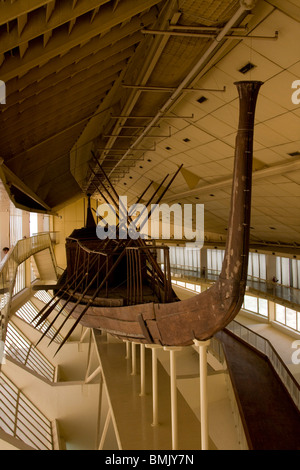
pixel 156 315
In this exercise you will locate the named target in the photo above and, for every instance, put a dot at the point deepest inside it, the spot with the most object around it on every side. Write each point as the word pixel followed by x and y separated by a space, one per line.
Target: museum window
pixel 288 272
pixel 288 317
pixel 256 305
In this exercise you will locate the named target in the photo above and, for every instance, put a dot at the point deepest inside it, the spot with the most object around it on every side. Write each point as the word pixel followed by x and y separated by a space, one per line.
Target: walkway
pixel 265 289
pixel 272 422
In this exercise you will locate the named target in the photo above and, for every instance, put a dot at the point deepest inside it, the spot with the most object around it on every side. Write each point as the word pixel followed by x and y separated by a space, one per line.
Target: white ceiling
pixel 212 131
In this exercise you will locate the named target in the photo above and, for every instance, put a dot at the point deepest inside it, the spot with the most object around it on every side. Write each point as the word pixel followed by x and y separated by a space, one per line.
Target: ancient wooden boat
pixel 118 286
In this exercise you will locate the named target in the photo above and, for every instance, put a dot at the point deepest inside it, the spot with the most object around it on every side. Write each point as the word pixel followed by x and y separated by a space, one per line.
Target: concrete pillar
pixel 154 348
pixel 143 370
pixel 173 386
pixel 202 347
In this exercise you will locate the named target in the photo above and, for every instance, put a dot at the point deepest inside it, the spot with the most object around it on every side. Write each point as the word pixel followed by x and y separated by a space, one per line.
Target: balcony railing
pixel 19 348
pixel 22 419
pixel 17 255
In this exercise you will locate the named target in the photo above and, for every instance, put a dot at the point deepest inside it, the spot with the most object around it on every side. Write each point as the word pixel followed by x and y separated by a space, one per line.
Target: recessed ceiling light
pixel 186 140
pixel 247 68
pixel 149 160
pixel 212 195
pixel 272 228
pixel 202 99
pixel 168 148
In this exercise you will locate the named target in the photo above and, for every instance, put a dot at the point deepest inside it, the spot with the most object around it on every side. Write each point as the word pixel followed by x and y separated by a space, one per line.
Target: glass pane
pixel 214 265
pixel 250 265
pixel 250 303
pixel 285 266
pixel 33 223
pixel 280 313
pixel 190 286
pixel 172 255
pixel 262 267
pixel 298 321
pixel 291 319
pixel 294 280
pixel 263 307
pixel 255 266
pixel 209 260
pixel 278 269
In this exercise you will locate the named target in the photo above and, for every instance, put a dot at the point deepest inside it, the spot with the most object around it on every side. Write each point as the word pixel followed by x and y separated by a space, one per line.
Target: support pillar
pixel 133 358
pixel 154 348
pixel 174 420
pixel 127 349
pixel 143 370
pixel 202 347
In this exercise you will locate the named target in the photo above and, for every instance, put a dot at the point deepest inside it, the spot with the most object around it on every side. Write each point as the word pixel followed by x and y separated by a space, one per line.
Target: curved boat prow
pixel 200 317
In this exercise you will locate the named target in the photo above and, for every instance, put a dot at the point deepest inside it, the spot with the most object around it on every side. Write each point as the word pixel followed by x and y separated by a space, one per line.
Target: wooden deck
pixel 271 420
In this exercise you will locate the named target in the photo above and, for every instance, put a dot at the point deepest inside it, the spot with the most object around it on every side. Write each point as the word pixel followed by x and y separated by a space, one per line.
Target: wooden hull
pixel 201 316
pixel 170 322
pixel 173 324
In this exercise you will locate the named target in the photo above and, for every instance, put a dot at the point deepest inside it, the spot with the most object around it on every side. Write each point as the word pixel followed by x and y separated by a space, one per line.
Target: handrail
pixel 264 346
pixel 21 349
pixel 19 253
pixel 22 419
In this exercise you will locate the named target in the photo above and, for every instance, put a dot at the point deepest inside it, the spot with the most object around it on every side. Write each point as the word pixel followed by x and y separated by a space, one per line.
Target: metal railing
pixel 261 344
pixel 19 348
pixel 28 313
pixel 22 419
pixel 17 255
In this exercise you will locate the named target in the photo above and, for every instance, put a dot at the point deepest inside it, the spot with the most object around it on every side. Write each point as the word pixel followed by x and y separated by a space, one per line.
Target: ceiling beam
pixel 15 156
pixel 52 121
pixel 37 26
pixel 113 42
pixel 61 42
pixel 155 49
pixel 60 101
pixel 117 60
pixel 10 11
